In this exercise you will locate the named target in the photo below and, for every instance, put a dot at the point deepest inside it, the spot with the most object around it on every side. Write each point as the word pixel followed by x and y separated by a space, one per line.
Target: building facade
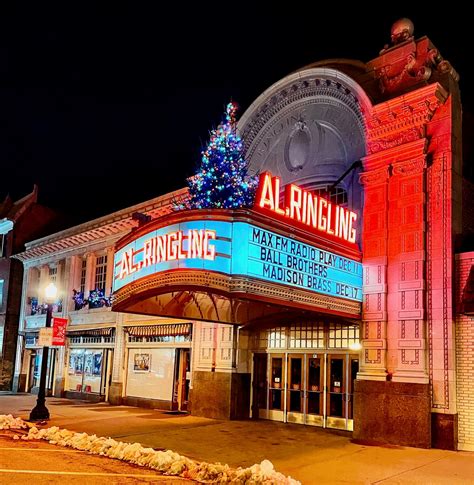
pixel 336 301
pixel 133 359
pixel 20 221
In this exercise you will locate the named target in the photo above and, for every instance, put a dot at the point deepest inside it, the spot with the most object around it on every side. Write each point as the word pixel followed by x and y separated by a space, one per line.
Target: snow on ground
pixel 167 462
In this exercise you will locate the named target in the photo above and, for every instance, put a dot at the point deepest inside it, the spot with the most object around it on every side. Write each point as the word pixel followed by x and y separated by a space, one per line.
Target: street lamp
pixel 40 411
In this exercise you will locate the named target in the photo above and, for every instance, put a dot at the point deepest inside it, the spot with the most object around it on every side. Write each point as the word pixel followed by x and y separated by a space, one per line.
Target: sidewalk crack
pixel 406 471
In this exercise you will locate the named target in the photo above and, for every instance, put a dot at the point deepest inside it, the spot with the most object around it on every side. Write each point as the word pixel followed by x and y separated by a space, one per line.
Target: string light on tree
pixel 222 181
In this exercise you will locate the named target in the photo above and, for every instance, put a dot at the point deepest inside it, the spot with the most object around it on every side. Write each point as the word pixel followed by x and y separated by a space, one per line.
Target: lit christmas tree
pixel 222 182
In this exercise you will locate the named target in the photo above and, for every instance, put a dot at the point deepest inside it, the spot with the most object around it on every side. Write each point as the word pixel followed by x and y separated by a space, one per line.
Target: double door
pixel 313 389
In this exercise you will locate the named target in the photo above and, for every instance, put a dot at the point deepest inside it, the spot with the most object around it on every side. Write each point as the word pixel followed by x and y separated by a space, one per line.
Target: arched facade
pixel 309 129
pixel 386 134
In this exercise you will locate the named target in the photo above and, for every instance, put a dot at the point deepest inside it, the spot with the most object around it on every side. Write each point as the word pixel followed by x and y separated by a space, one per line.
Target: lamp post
pixel 40 411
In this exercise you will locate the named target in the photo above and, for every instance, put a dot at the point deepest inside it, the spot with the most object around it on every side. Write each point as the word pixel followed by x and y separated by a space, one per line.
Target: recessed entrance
pixel 305 388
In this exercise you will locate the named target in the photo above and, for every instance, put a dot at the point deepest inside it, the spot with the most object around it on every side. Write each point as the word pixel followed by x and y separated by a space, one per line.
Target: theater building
pixel 299 320
pixel 336 301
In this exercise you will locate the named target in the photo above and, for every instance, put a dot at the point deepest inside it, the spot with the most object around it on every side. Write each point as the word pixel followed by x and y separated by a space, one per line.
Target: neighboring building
pixel 100 343
pixel 331 303
pixel 19 222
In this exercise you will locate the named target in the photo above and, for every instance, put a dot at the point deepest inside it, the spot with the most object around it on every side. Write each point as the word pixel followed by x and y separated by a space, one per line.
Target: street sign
pixel 59 331
pixel 45 338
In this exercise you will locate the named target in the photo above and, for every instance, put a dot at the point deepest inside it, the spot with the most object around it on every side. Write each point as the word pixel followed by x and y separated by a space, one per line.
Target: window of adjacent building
pixel 100 272
pixel 83 276
pixel 53 274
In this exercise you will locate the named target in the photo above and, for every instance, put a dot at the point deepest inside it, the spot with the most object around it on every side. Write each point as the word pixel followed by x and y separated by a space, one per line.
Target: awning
pixel 90 332
pixel 170 330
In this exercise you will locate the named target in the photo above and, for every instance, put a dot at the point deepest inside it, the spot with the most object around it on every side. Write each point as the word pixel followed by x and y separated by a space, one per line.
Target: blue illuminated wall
pixel 248 250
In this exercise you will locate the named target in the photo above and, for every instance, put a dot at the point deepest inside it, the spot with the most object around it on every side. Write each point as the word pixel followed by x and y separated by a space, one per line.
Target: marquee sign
pixel 305 208
pixel 238 248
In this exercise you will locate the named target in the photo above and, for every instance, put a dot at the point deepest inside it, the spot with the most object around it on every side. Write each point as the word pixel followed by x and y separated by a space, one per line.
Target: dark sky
pixel 107 108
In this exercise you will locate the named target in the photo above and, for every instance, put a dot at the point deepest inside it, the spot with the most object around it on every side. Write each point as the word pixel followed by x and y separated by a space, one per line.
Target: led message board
pixel 238 249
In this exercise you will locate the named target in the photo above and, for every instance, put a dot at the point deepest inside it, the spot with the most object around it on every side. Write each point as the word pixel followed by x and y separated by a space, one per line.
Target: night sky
pixel 104 109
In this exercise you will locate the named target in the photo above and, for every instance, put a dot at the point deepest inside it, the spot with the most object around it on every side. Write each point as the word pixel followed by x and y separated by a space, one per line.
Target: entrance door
pixel 315 396
pixel 314 389
pixel 33 374
pixel 353 369
pixel 296 386
pixel 259 386
pixel 335 395
pixel 277 385
pixel 182 378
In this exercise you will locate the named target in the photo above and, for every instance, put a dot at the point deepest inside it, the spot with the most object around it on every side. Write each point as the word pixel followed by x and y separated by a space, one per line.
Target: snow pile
pixel 7 421
pixel 167 462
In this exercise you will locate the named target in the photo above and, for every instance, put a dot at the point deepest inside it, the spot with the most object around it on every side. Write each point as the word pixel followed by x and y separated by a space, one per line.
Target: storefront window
pixel 85 370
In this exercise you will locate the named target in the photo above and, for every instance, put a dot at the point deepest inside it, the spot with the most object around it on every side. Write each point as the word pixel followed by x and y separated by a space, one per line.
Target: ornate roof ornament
pixel 407 62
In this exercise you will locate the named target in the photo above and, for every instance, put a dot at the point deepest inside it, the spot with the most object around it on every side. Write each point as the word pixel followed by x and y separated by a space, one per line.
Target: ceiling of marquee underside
pixel 198 305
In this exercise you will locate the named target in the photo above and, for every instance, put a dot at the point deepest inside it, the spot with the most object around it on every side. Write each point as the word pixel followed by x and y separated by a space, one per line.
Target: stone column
pixel 110 271
pixel 407 255
pixel 373 364
pixel 396 410
pixel 90 274
pixel 117 385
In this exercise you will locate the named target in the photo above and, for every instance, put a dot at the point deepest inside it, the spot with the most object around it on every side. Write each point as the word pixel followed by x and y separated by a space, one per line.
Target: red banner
pixel 59 331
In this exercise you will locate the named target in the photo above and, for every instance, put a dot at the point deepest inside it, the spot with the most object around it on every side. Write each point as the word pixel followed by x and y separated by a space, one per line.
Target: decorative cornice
pixel 375 177
pixel 107 228
pixel 409 167
pixel 403 119
pixel 233 287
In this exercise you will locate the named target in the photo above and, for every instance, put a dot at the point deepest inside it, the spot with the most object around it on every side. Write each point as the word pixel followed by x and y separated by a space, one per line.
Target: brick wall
pixel 464 357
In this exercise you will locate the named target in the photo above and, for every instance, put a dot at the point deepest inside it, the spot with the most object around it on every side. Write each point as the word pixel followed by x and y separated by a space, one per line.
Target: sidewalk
pixel 311 455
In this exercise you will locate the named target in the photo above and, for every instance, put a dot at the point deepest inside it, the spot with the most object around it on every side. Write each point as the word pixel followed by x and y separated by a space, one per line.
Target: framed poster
pixel 141 362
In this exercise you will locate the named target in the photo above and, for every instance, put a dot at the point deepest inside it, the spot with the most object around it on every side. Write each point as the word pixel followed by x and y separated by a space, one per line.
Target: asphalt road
pixel 39 462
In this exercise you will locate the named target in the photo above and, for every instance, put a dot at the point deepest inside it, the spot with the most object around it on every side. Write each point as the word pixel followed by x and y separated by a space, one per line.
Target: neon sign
pixel 306 208
pixel 238 249
pixel 195 244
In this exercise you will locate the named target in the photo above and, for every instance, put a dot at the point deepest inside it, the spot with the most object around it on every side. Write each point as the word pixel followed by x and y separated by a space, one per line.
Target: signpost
pixel 45 338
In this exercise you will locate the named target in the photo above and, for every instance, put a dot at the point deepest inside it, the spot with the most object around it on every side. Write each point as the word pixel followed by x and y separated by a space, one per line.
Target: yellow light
pixel 51 291
pixel 355 346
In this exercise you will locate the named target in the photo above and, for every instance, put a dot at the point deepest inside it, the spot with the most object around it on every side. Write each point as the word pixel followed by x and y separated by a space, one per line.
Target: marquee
pixel 238 249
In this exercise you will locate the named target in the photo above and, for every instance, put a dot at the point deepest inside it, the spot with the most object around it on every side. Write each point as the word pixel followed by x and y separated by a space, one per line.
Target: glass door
pixel 353 369
pixel 315 389
pixel 259 386
pixel 336 409
pixel 276 390
pixel 295 389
